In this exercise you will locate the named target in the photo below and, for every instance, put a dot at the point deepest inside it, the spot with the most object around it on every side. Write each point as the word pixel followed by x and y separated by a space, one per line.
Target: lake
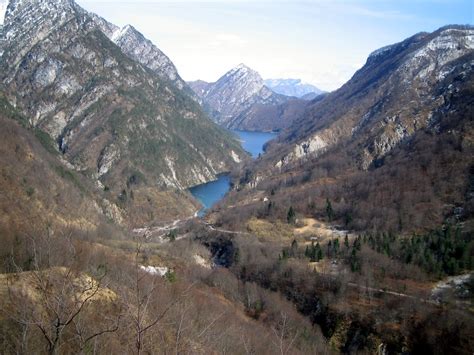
pixel 253 142
pixel 212 192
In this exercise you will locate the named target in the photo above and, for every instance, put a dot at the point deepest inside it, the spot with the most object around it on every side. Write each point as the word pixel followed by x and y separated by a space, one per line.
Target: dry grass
pixel 268 231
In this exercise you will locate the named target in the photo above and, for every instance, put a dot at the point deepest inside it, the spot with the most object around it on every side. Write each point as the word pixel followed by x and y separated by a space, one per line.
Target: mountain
pixel 237 99
pixel 311 96
pixel 200 87
pixel 137 47
pixel 293 87
pixel 117 112
pixel 393 147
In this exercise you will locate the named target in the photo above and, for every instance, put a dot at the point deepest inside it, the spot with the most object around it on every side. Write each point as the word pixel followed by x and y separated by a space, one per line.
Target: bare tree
pixel 282 333
pixel 51 298
pixel 141 310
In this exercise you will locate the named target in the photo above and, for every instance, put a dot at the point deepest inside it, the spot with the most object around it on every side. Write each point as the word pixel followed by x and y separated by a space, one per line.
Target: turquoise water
pixel 253 142
pixel 212 192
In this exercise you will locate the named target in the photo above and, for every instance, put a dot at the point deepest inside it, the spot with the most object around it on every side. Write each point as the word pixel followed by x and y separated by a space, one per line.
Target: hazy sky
pixel 322 42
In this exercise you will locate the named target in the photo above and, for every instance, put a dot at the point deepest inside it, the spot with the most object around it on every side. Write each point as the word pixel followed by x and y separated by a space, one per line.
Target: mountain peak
pixel 242 66
pixel 135 45
pixel 243 69
pixel 293 87
pixel 235 94
pixel 14 7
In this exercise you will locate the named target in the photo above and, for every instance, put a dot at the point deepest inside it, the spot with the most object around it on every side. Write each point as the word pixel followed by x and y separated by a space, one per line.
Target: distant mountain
pixel 311 96
pixel 240 100
pixel 293 87
pixel 112 104
pixel 397 137
pixel 200 87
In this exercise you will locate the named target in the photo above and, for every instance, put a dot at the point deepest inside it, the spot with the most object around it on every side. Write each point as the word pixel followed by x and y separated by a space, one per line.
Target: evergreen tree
pixel 336 246
pixel 329 210
pixel 294 248
pixel 319 253
pixel 291 215
pixel 347 218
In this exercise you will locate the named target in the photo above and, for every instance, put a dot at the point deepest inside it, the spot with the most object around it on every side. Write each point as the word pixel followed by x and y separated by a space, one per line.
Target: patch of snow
pixel 155 270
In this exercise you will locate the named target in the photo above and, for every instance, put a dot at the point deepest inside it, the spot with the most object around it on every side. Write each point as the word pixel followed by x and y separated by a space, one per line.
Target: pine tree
pixel 291 215
pixel 329 210
pixel 336 246
pixel 320 254
pixel 347 218
pixel 294 248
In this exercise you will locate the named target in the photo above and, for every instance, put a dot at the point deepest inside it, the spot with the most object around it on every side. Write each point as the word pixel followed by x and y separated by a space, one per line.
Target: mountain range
pixel 241 99
pixel 294 87
pixel 353 232
pixel 110 103
pixel 398 135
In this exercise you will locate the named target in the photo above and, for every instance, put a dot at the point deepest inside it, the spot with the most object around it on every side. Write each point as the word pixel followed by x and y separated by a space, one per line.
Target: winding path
pixel 160 232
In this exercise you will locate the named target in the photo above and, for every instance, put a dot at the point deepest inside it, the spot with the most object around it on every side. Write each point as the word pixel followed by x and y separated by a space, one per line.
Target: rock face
pixel 293 87
pixel 118 113
pixel 236 99
pixel 137 47
pixel 403 88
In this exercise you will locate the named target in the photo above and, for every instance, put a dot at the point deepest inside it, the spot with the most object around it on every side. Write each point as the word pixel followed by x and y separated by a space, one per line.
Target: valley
pixel 141 213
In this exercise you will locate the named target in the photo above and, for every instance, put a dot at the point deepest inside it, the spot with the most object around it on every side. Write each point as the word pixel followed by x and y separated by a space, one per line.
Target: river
pixel 212 192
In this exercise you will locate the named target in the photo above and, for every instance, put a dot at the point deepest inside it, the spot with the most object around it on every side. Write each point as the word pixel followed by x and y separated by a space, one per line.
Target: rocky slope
pixel 401 89
pixel 293 87
pixel 127 124
pixel 373 140
pixel 237 98
pixel 137 47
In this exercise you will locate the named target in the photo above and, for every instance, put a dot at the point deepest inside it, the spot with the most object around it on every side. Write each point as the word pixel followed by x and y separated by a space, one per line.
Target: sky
pixel 322 42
